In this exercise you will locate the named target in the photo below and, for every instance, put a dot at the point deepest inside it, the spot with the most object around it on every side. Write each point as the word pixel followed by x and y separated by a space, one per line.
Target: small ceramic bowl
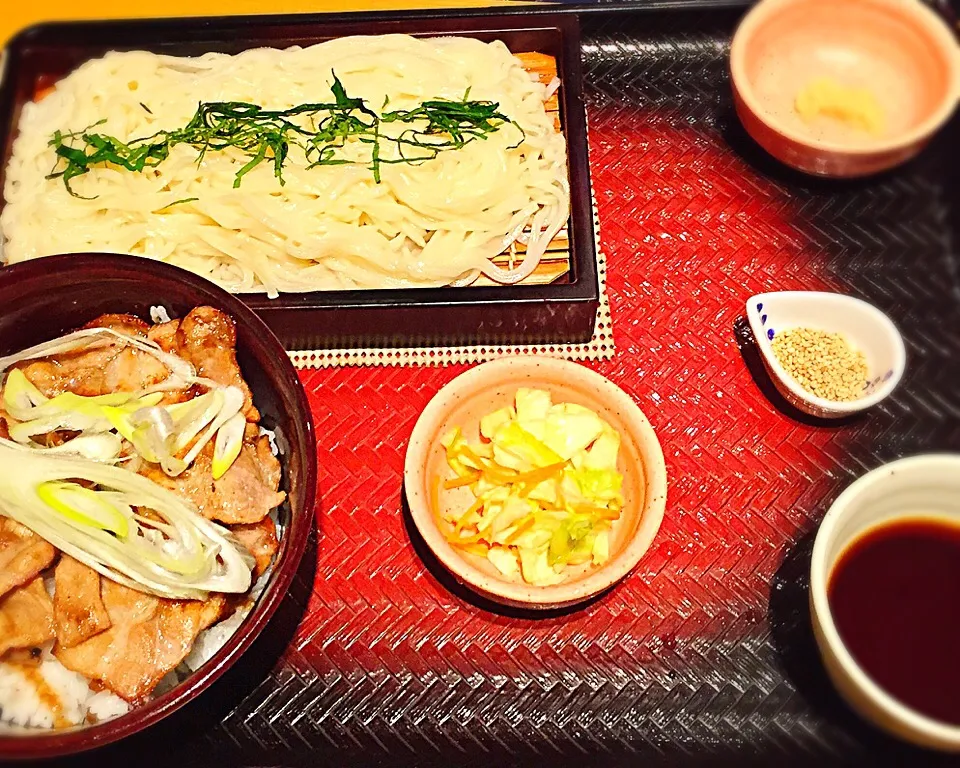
pixel 864 326
pixel 899 50
pixel 493 385
pixel 922 484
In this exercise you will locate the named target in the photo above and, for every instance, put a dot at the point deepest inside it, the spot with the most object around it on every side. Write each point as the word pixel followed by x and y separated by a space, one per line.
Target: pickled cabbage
pixel 545 485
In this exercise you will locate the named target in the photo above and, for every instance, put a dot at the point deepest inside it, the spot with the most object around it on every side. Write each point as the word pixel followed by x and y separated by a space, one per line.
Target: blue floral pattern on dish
pixel 877 381
pixel 763 321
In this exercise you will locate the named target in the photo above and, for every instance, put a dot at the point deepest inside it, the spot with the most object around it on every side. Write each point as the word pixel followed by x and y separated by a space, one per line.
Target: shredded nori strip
pixel 266 135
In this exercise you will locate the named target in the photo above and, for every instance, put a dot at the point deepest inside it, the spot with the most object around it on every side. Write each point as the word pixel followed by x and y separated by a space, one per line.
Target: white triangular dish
pixel 864 326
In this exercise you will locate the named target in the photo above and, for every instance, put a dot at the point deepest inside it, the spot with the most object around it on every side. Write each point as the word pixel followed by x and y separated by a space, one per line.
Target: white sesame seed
pixel 823 363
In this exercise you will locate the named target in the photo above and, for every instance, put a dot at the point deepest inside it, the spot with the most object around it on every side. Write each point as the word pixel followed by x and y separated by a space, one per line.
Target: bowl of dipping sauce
pixel 884 591
pixel 844 89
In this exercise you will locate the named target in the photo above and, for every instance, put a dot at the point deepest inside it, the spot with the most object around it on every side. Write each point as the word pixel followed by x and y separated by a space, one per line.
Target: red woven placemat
pixel 691 231
pixel 686 251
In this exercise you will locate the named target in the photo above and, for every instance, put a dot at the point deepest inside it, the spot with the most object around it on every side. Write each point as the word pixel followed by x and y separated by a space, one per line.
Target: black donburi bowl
pixel 45 298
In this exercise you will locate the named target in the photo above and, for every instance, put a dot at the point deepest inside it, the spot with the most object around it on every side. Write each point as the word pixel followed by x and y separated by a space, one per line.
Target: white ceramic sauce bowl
pixel 864 326
pixel 921 486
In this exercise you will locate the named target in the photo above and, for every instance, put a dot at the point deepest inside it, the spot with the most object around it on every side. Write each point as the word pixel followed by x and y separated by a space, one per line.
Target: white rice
pixel 169 681
pixel 213 639
pixel 105 705
pixel 21 704
pixel 159 314
pixel 272 438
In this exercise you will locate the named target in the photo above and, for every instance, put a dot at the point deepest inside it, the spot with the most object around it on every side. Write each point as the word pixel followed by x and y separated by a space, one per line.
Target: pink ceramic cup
pixel 899 50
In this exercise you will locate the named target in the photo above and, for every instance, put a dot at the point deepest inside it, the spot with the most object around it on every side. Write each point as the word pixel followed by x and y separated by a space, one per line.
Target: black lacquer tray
pixel 704 656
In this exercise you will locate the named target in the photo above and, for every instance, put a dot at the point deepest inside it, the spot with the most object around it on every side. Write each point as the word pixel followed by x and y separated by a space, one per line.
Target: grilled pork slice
pixel 101 370
pixel 26 617
pixel 260 539
pixel 249 489
pixel 148 637
pixel 165 335
pixel 78 609
pixel 131 325
pixel 23 554
pixel 245 494
pixel 208 339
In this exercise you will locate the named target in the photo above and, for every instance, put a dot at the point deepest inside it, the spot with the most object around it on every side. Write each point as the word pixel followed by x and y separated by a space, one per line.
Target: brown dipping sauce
pixel 895 599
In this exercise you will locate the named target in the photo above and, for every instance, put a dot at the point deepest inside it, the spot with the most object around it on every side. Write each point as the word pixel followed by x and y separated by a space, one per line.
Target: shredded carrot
pixel 533 477
pixel 454 537
pixel 457 482
pixel 498 477
pixel 472 547
pixel 522 527
pixel 599 512
pixel 559 506
pixel 469 454
pixel 537 476
pixel 435 499
pixel 462 521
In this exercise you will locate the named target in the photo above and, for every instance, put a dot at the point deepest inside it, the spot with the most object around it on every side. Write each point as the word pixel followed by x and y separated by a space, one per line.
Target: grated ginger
pixel 827 97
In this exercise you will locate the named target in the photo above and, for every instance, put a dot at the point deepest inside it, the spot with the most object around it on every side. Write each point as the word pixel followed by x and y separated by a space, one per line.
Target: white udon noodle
pixel 329 227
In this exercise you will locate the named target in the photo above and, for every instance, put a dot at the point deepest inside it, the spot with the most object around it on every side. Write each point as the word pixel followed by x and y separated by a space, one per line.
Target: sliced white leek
pixel 157 433
pixel 152 434
pixel 228 444
pixel 179 555
pixel 233 402
pixel 19 393
pixel 83 506
pixel 76 413
pixel 192 416
pixel 103 447
pixel 24 431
